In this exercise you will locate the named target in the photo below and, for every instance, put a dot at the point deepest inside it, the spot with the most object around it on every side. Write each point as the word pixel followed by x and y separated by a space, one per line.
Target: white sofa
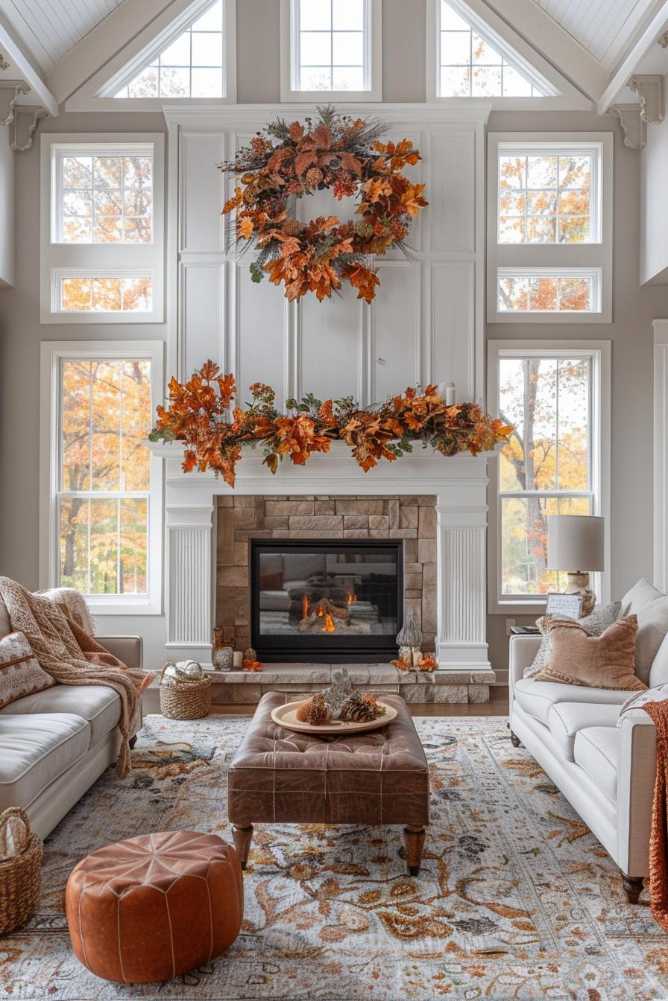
pixel 56 743
pixel 605 771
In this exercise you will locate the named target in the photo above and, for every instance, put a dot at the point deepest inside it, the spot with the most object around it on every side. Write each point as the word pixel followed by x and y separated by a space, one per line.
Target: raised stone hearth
pixel 440 687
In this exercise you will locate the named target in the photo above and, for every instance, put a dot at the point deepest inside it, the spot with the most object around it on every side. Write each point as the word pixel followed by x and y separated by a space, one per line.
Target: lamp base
pixel 578 583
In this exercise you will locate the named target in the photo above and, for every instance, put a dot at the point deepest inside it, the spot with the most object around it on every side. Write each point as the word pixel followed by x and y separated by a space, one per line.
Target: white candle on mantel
pixel 450 393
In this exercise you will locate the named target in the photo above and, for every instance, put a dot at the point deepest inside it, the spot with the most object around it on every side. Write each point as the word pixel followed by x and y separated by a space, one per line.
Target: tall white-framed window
pixel 549 228
pixel 331 48
pixel 100 486
pixel 102 226
pixel 556 394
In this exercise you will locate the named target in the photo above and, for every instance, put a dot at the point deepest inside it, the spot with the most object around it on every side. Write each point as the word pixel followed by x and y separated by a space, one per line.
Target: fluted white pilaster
pixel 190 592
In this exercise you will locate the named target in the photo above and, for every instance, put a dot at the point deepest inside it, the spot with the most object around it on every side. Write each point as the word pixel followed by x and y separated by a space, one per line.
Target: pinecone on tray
pixel 360 708
pixel 314 710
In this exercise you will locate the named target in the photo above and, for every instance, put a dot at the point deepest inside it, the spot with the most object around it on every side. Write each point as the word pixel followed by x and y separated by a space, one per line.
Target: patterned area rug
pixel 516 899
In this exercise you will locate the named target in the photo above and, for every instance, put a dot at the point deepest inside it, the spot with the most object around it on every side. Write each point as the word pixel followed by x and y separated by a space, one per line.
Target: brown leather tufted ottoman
pixel 150 908
pixel 380 777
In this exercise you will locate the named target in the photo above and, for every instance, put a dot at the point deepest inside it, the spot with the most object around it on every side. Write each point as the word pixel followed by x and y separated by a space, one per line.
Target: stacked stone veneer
pixel 241 518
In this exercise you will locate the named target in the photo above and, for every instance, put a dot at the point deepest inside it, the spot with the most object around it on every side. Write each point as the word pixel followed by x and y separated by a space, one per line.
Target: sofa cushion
pixel 99 705
pixel 596 750
pixel 638 596
pixel 565 719
pixel 658 672
pixel 20 672
pixel 35 750
pixel 5 625
pixel 652 629
pixel 595 623
pixel 537 697
pixel 605 661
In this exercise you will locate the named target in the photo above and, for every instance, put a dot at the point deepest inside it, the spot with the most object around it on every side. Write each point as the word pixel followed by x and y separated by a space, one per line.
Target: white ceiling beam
pixel 647 39
pixel 554 43
pixel 24 65
pixel 107 39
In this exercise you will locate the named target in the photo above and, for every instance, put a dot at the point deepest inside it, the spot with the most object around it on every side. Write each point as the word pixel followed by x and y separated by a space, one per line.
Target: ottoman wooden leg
pixel 414 841
pixel 242 842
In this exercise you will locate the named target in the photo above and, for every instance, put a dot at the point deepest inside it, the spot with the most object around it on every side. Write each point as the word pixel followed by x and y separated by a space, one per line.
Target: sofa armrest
pixel 635 791
pixel 126 648
pixel 522 651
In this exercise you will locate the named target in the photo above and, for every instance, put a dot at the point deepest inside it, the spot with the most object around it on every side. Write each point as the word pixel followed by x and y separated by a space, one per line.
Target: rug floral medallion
pixel 516 898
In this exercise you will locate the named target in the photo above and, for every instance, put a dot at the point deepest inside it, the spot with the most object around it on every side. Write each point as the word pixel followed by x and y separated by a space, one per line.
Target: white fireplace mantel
pixel 459 484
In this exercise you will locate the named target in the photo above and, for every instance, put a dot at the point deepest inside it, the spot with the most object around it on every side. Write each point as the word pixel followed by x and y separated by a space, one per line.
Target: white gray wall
pixel 654 202
pixel 6 209
pixel 403 77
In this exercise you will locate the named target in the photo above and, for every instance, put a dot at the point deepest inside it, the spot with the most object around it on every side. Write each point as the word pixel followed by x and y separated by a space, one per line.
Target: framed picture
pixel 565 606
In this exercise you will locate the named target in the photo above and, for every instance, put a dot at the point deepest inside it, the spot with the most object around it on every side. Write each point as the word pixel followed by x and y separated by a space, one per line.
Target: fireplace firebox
pixel 326 600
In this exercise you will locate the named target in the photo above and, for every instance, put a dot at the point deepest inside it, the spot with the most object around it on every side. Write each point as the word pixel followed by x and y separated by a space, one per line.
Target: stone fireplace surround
pixel 411 518
pixel 449 492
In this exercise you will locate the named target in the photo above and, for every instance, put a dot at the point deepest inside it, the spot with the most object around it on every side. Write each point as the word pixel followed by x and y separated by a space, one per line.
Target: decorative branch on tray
pixel 200 415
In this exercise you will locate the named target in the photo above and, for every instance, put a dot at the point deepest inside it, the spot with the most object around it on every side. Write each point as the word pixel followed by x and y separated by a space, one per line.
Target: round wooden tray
pixel 286 716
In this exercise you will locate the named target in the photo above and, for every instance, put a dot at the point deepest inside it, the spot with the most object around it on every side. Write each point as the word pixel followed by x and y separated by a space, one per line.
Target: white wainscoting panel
pixel 426 323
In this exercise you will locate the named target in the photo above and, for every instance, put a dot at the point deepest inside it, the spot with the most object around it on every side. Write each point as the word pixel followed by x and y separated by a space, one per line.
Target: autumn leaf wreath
pixel 333 152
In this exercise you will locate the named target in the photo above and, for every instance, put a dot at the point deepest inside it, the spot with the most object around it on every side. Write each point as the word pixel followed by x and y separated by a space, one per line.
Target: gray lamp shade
pixel 574 542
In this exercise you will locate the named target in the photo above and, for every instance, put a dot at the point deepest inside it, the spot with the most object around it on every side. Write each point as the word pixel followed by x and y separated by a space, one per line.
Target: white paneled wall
pixel 426 323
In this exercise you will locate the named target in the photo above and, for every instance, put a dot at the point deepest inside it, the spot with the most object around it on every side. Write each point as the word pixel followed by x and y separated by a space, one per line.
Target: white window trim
pixel 85 258
pixel 561 94
pixel 95 94
pixel 52 353
pixel 556 316
pixel 600 354
pixel 289 43
pixel 549 256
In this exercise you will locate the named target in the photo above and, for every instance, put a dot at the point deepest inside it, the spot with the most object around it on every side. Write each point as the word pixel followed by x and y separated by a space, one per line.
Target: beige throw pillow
pixel 605 661
pixel 20 673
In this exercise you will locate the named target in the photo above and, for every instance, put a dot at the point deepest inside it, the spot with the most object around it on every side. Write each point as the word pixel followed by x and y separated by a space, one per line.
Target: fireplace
pixel 326 600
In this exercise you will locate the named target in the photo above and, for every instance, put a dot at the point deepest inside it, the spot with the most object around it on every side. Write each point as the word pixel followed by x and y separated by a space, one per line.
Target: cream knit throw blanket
pixel 48 632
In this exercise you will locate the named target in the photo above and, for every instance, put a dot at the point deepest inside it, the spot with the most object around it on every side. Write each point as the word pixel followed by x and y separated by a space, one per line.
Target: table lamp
pixel 575 544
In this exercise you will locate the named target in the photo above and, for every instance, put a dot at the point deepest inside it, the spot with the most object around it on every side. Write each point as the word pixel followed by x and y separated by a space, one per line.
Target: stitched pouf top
pixel 153 907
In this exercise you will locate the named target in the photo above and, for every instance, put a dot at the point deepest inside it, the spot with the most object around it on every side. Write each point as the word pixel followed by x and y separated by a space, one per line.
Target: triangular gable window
pixel 473 63
pixel 190 64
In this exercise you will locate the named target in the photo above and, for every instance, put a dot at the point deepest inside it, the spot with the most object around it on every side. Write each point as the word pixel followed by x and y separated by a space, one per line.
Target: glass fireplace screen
pixel 313 597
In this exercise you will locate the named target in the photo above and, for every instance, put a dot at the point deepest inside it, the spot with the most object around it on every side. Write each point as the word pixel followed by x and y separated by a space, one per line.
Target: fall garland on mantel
pixel 334 153
pixel 200 415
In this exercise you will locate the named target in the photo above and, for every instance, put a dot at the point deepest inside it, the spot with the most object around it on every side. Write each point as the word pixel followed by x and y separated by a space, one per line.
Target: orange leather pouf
pixel 150 908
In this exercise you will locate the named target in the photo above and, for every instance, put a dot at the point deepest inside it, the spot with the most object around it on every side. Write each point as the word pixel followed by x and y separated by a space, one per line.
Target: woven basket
pixel 185 699
pixel 20 879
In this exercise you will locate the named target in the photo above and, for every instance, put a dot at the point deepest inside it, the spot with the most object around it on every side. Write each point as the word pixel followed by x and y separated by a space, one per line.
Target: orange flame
pixel 351 597
pixel 329 626
pixel 306 606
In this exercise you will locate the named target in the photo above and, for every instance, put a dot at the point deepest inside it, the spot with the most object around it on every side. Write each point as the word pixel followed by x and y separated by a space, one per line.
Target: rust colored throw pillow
pixel 605 661
pixel 20 673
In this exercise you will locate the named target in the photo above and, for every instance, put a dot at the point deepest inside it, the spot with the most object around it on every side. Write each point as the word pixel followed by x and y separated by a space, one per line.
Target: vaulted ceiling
pixel 603 27
pixel 48 29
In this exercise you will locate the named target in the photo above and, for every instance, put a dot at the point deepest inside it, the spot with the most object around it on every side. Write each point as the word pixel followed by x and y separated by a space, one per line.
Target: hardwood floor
pixel 497 706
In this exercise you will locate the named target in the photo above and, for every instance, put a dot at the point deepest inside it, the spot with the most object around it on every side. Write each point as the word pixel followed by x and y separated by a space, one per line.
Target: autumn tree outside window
pixel 101 490
pixel 556 396
pixel 102 229
pixel 550 228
